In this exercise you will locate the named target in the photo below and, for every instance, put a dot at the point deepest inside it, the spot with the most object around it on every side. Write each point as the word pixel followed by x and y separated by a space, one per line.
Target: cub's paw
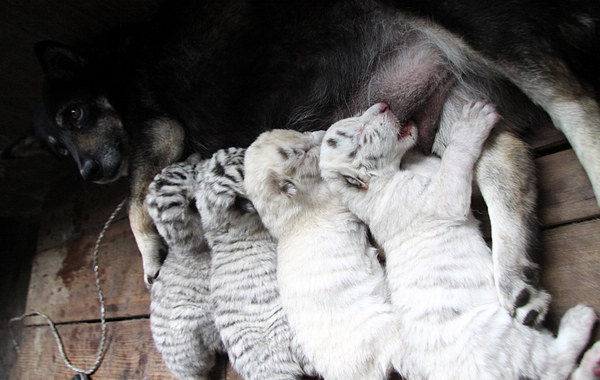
pixel 475 123
pixel 578 320
pixel 521 298
pixel 589 369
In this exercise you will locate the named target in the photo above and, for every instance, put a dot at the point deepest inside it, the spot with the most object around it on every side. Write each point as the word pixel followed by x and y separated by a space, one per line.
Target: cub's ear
pixel 288 188
pixel 58 60
pixel 244 205
pixel 356 182
pixel 277 184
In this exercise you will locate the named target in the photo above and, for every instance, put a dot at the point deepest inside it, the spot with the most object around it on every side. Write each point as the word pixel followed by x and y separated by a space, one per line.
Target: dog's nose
pixel 90 170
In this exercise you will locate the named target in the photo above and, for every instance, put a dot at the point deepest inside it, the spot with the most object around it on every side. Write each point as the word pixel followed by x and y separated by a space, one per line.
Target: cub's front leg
pixel 450 190
pixel 160 143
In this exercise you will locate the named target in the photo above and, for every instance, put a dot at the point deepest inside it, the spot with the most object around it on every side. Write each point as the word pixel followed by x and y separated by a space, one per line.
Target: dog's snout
pixel 90 170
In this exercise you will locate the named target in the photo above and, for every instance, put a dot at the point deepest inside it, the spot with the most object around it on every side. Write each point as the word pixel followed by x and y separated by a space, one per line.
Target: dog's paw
pixel 153 255
pixel 150 277
pixel 152 264
pixel 589 369
pixel 522 299
pixel 150 274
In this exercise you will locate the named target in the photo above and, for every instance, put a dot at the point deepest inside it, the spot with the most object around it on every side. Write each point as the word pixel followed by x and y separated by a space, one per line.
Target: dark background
pixel 25 181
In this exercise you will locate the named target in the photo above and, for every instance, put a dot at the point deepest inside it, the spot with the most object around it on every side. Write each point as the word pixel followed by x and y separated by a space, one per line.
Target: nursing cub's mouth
pixel 406 129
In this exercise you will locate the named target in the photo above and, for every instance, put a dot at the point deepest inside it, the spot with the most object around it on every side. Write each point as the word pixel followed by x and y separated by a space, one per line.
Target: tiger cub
pixel 332 286
pixel 181 316
pixel 243 278
pixel 439 268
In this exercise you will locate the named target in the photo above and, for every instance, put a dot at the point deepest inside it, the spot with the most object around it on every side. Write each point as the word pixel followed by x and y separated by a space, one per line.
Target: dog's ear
pixel 58 60
pixel 28 145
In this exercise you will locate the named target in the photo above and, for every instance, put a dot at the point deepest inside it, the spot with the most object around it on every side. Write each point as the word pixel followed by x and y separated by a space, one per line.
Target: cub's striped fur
pixel 243 281
pixel 439 267
pixel 181 315
pixel 332 286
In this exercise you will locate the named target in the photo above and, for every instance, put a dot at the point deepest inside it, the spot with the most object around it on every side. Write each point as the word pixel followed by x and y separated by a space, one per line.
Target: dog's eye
pixel 75 113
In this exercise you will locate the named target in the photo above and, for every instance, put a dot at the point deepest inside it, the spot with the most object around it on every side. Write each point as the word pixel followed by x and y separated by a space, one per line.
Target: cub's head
pixel 358 148
pixel 282 172
pixel 221 194
pixel 171 205
pixel 77 116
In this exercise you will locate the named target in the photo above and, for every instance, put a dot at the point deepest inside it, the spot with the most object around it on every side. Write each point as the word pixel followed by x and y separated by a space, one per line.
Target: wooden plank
pixel 130 352
pixel 74 209
pixel 62 278
pixel 570 266
pixel 547 137
pixel 566 194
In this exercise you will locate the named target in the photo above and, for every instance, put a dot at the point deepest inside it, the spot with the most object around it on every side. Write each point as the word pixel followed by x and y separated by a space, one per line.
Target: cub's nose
pixel 376 109
pixel 90 170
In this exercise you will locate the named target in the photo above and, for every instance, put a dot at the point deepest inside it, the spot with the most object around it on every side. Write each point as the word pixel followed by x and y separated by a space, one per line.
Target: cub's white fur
pixel 439 267
pixel 331 284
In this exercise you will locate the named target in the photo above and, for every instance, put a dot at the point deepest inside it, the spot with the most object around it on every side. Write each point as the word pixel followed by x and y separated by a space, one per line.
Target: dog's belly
pixel 414 81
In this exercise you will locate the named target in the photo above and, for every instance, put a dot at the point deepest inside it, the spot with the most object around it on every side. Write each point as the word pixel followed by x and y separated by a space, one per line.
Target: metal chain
pixel 59 342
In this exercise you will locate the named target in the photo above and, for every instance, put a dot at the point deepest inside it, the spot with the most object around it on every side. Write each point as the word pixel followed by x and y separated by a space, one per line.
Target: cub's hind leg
pixel 589 369
pixel 573 334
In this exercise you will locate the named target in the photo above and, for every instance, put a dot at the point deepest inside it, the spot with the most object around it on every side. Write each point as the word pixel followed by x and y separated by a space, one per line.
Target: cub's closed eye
pixel 354 182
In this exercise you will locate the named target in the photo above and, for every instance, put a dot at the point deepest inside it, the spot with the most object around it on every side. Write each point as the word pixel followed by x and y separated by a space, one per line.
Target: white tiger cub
pixel 181 313
pixel 439 267
pixel 243 279
pixel 332 287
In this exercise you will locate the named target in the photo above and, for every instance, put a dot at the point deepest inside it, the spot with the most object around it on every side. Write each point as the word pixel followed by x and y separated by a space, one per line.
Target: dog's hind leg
pixel 572 108
pixel 506 177
pixel 160 144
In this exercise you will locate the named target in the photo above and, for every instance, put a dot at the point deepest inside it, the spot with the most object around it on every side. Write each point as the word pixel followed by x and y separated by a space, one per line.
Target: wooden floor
pixel 62 283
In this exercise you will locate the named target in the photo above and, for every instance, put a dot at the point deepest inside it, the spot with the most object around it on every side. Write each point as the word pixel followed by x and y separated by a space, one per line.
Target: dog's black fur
pixel 208 75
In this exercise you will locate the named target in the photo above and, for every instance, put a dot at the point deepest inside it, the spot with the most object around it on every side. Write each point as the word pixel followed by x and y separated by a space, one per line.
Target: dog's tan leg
pixel 148 241
pixel 572 108
pixel 506 177
pixel 579 120
pixel 165 148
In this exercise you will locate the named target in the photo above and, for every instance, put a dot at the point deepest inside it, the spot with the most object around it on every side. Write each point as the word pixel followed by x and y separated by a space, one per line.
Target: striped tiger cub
pixel 181 314
pixel 243 280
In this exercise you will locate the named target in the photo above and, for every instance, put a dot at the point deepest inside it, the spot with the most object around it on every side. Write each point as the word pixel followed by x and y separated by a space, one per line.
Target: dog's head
pixel 77 116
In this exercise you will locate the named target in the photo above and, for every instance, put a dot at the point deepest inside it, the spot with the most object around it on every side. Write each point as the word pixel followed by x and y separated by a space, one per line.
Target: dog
pixel 208 75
